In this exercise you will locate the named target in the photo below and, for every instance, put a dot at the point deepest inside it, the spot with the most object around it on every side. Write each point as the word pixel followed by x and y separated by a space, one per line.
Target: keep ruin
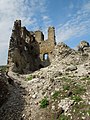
pixel 28 51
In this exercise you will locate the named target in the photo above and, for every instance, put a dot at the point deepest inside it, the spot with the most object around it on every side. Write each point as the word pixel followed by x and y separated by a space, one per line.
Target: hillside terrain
pixel 60 91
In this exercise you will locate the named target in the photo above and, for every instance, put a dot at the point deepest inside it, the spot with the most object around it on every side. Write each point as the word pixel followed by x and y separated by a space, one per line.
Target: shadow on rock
pixel 12 108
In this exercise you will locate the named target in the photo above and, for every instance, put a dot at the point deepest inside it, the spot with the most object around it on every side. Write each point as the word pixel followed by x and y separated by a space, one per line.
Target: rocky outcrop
pixel 61 50
pixel 58 91
pixel 82 45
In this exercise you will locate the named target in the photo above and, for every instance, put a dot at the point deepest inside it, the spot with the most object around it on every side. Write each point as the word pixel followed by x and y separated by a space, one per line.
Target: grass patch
pixel 56 94
pixel 63 117
pixel 78 110
pixel 30 77
pixel 88 111
pixel 65 79
pixel 76 98
pixel 85 78
pixel 78 89
pixel 44 103
pixel 66 87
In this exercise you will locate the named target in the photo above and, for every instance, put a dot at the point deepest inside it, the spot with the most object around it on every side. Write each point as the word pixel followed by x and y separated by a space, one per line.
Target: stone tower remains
pixel 28 51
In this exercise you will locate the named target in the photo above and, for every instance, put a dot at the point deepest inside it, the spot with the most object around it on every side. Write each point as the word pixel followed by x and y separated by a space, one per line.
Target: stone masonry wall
pixel 27 48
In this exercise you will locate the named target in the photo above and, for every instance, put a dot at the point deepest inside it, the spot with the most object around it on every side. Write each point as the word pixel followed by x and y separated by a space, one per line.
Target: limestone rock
pixel 71 68
pixel 53 107
pixel 62 50
pixel 57 113
pixel 34 96
pixel 82 45
pixel 65 104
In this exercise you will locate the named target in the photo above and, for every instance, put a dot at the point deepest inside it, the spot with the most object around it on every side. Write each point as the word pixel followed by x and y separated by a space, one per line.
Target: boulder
pixel 65 104
pixel 82 45
pixel 71 68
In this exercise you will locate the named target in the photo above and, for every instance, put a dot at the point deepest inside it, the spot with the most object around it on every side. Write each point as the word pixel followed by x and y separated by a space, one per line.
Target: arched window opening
pixel 45 56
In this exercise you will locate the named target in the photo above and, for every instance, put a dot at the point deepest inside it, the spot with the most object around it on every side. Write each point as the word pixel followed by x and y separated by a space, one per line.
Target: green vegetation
pixel 85 78
pixel 78 89
pixel 88 111
pixel 78 110
pixel 56 94
pixel 69 84
pixel 76 98
pixel 66 79
pixel 44 103
pixel 30 77
pixel 3 68
pixel 66 87
pixel 63 117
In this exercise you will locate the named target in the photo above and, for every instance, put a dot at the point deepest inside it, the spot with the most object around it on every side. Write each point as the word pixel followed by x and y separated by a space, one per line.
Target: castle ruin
pixel 27 49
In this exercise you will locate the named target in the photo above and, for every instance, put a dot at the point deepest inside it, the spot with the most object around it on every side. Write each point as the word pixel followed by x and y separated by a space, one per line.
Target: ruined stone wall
pixel 27 49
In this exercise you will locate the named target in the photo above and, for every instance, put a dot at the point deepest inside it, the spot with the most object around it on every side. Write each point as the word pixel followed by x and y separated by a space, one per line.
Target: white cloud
pixel 26 10
pixel 76 26
pixel 87 6
pixel 45 17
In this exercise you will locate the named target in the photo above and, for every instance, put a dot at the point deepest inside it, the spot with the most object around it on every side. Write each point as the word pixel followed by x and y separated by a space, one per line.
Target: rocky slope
pixel 60 91
pixel 3 90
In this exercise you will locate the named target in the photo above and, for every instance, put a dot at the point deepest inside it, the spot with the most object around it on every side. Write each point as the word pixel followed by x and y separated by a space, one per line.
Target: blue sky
pixel 71 19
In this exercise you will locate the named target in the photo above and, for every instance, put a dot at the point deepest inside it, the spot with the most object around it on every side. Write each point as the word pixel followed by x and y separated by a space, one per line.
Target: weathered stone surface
pixel 57 113
pixel 61 50
pixel 82 45
pixel 66 91
pixel 27 49
pixel 3 90
pixel 71 68
pixel 65 104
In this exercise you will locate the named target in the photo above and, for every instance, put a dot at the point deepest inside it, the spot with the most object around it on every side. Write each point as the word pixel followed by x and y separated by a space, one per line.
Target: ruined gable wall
pixel 48 45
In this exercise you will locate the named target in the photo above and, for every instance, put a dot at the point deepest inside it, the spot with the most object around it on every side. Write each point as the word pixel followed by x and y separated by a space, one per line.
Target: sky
pixel 71 19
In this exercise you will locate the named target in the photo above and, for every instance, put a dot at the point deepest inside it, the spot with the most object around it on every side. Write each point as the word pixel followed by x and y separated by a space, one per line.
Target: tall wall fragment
pixel 27 49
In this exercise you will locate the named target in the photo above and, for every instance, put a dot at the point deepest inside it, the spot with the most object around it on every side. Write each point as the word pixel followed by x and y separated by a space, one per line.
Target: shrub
pixel 44 103
pixel 76 98
pixel 55 95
